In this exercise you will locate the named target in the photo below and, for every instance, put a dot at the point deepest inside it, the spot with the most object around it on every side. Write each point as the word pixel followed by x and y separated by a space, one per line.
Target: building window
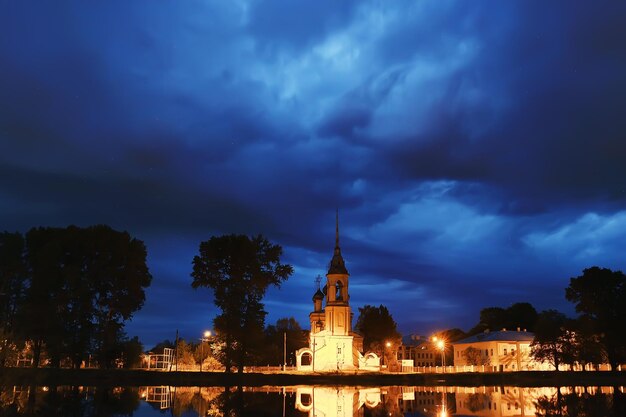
pixel 504 351
pixel 491 352
pixel 512 352
pixel 486 352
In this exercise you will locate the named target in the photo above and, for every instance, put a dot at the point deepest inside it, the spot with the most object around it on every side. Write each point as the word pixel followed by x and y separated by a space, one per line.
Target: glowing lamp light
pixel 207 333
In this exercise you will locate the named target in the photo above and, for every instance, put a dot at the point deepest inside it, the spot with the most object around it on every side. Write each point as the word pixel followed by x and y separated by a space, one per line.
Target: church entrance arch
pixel 304 359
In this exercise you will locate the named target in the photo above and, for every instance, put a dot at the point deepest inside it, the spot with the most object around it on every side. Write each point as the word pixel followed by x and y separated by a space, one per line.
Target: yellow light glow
pixel 441 344
pixel 207 333
pixel 388 344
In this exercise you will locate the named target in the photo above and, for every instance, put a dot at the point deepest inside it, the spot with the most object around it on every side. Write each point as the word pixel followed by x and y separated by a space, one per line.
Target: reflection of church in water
pixel 336 402
pixel 333 346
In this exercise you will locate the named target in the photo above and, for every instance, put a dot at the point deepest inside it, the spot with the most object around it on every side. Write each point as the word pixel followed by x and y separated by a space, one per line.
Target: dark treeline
pixel 65 294
pixel 595 336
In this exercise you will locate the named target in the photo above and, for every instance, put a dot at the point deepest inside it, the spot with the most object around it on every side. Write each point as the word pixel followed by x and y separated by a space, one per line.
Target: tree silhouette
pixel 552 340
pixel 13 274
pixel 522 315
pixel 378 328
pixel 239 269
pixel 83 284
pixel 600 296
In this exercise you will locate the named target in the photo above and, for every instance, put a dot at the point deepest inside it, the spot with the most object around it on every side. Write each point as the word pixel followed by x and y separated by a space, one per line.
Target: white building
pixel 502 351
pixel 333 346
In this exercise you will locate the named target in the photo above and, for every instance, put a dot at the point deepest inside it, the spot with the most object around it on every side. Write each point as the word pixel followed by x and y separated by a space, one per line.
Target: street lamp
pixel 442 346
pixel 207 334
pixel 387 345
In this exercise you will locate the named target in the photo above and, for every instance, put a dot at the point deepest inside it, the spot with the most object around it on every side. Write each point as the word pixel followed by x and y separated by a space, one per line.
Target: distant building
pixel 333 346
pixel 501 351
pixel 419 349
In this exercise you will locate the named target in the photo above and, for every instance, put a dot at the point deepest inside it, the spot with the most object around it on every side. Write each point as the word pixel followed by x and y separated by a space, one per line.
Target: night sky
pixel 476 151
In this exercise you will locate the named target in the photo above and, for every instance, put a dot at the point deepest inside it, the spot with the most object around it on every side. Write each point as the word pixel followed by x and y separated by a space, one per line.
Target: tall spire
pixel 337 229
pixel 337 265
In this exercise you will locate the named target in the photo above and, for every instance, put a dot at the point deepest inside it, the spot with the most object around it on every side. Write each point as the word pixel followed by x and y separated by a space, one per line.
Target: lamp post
pixel 441 345
pixel 207 334
pixel 284 351
pixel 387 345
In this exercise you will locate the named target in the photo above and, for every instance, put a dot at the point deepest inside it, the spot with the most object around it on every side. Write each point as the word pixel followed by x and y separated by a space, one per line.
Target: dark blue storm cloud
pixel 476 151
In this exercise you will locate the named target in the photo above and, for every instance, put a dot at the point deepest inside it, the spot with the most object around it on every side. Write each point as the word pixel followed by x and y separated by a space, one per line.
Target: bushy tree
pixel 600 297
pixel 84 283
pixel 132 349
pixel 522 315
pixel 239 269
pixel 553 340
pixel 589 349
pixel 296 338
pixel 184 353
pixel 378 329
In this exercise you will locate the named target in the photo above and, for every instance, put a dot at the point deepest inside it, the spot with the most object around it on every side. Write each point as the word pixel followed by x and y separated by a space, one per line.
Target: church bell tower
pixel 338 314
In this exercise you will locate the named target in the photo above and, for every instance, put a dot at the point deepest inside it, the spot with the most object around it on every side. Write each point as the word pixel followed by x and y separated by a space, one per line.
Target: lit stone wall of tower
pixel 333 344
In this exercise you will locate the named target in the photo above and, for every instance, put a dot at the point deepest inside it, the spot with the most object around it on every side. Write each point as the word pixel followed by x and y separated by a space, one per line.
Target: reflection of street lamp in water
pixel 443 412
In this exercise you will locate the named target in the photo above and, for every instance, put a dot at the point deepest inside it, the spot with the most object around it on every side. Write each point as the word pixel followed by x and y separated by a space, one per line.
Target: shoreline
pixel 131 377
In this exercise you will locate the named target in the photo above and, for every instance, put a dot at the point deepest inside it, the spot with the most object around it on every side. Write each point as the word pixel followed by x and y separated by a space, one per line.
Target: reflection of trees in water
pixel 393 405
pixel 67 401
pixel 477 402
pixel 590 403
pixel 198 399
pixel 237 402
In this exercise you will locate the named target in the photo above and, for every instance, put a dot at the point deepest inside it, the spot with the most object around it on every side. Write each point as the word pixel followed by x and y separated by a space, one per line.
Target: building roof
pixel 319 295
pixel 499 336
pixel 414 340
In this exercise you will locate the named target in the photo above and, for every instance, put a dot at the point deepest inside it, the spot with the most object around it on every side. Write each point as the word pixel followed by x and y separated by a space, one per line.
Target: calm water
pixel 313 401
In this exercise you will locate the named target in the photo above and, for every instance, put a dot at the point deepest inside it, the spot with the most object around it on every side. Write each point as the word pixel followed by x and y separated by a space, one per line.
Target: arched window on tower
pixel 338 287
